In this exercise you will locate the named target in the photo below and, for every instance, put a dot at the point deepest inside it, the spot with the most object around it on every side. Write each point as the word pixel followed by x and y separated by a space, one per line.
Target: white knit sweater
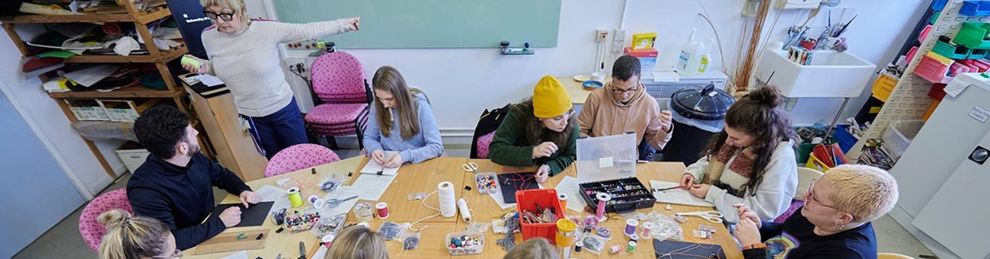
pixel 249 64
pixel 773 194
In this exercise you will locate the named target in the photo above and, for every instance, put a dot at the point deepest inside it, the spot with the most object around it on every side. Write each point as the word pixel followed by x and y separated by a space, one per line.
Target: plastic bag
pixel 104 130
pixel 392 231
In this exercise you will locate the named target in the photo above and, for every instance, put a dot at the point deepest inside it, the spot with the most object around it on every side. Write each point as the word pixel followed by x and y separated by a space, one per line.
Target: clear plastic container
pixel 606 158
pixel 465 249
pixel 899 135
pixel 486 183
pixel 364 212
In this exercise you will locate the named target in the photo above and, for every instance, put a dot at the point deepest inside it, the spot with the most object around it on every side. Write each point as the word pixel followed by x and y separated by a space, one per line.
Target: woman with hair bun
pixel 751 162
pixel 135 237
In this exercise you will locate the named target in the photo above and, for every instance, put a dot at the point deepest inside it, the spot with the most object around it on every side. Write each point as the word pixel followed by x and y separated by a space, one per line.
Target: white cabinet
pixel 943 198
pixel 956 215
pixel 942 144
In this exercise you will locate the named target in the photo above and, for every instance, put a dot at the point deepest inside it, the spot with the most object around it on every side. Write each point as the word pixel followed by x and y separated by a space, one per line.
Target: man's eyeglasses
pixel 622 91
pixel 213 15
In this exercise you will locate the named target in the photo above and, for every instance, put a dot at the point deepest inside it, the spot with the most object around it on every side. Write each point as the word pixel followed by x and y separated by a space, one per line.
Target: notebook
pixel 677 249
pixel 250 217
pixel 675 196
pixel 512 182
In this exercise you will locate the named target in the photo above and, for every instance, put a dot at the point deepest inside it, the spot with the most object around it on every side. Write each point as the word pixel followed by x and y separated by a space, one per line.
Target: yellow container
pixel 883 86
pixel 565 232
pixel 643 40
pixel 816 164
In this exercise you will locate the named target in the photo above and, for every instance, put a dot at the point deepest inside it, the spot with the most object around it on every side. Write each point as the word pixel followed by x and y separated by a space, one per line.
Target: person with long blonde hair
pixel 401 126
pixel 358 242
pixel 534 248
pixel 134 237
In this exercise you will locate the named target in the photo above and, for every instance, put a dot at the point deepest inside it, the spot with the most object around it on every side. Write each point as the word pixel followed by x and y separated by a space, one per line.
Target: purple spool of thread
pixel 631 226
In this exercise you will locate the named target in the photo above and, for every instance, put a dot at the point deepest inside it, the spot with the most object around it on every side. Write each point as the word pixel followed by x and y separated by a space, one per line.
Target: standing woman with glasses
pixel 244 54
pixel 538 132
pixel 134 237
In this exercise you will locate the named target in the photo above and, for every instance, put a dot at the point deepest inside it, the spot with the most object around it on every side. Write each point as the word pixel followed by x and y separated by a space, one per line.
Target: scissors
pixel 470 167
pixel 333 203
pixel 712 216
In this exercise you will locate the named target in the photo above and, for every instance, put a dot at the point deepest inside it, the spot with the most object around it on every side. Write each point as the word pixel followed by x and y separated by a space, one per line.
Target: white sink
pixel 831 74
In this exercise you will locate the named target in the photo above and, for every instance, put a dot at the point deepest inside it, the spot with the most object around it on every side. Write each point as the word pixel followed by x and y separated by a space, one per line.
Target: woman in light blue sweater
pixel 401 125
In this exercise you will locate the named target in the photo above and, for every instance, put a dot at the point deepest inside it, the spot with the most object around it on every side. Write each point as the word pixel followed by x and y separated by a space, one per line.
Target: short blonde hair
pixel 534 248
pixel 236 5
pixel 864 191
pixel 358 242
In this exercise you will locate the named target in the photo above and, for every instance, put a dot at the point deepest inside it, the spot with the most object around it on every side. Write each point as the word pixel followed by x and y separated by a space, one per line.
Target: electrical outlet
pixel 601 35
pixel 798 4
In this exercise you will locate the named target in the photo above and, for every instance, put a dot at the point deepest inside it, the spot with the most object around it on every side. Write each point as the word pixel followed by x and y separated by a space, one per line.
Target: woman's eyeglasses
pixel 224 16
pixel 812 198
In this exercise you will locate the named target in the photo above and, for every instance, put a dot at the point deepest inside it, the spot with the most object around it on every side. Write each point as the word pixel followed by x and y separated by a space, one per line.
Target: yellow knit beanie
pixel 550 99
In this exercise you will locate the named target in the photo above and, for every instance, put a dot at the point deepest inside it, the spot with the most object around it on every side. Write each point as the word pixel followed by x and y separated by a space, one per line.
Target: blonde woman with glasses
pixel 835 221
pixel 244 54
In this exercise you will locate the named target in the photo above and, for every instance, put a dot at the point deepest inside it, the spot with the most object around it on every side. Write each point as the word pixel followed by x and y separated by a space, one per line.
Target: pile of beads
pixel 302 221
pixel 486 183
pixel 464 244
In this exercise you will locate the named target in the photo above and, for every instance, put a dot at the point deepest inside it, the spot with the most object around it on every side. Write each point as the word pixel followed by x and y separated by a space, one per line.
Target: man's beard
pixel 194 148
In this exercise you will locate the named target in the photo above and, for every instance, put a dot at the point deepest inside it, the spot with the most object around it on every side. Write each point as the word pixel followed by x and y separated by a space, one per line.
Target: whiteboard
pixel 432 23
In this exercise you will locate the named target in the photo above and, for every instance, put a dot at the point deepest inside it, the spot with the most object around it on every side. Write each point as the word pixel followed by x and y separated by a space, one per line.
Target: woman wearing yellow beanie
pixel 538 132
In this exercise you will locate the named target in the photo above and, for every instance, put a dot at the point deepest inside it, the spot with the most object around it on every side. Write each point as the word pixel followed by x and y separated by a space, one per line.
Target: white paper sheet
pixel 239 255
pixel 91 75
pixel 569 185
pixel 372 186
pixel 373 167
pixel 209 80
pixel 497 196
pixel 342 192
pixel 272 193
pixel 676 196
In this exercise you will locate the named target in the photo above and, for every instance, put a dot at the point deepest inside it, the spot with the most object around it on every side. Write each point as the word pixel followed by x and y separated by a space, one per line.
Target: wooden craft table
pixel 424 177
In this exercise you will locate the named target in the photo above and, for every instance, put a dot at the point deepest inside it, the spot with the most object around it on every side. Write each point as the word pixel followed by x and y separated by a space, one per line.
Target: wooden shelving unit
pixel 145 97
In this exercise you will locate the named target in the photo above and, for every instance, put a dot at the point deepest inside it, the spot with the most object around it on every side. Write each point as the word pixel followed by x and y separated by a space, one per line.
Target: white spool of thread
pixel 465 211
pixel 317 202
pixel 445 196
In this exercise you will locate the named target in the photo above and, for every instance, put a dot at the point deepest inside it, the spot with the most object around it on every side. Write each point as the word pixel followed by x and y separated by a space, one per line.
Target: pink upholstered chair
pixel 91 230
pixel 482 145
pixel 297 157
pixel 341 95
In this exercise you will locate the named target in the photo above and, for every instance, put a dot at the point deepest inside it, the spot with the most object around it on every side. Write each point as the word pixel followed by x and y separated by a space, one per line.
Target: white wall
pixel 466 81
pixel 463 82
pixel 49 123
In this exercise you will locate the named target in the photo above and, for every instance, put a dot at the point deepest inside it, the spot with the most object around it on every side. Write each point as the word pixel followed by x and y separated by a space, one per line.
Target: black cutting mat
pixel 512 182
pixel 250 217
pixel 669 249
